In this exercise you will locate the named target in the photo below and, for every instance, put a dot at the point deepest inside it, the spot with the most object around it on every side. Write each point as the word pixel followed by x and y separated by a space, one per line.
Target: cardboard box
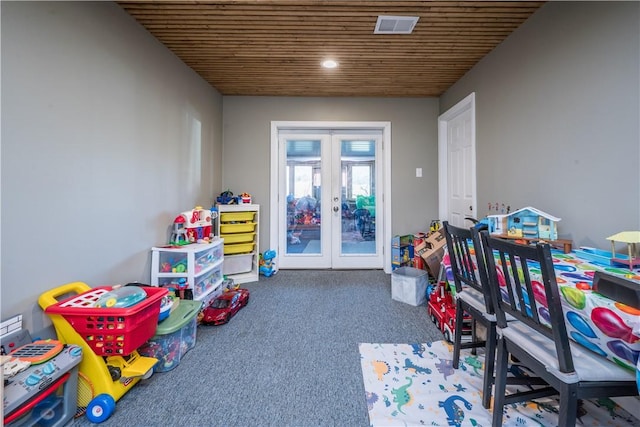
pixel 436 239
pixel 432 262
pixel 420 248
pixel 432 251
pixel 409 285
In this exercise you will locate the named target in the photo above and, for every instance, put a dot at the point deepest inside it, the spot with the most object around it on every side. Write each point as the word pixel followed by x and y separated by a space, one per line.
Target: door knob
pixel 335 208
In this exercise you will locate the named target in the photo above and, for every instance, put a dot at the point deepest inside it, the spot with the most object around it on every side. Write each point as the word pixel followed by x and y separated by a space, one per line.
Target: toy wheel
pixel 447 336
pixel 100 408
pixel 115 372
pixel 147 374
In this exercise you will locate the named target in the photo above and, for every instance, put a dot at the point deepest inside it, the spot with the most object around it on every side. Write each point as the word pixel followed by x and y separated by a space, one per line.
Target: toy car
pixel 442 309
pixel 225 306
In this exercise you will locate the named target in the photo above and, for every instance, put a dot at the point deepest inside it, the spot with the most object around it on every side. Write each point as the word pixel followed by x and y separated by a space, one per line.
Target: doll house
pixel 528 223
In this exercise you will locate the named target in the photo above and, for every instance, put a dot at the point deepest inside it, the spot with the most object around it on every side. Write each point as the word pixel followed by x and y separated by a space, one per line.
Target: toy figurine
pixel 268 265
pixel 179 235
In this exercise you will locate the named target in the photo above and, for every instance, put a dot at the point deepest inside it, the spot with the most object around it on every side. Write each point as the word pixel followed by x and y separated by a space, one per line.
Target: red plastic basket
pixel 111 331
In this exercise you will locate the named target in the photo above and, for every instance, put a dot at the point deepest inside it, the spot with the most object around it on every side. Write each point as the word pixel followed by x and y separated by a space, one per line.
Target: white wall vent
pixel 395 24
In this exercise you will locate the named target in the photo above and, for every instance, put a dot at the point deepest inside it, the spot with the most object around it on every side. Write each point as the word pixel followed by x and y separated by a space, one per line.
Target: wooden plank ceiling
pixel 275 47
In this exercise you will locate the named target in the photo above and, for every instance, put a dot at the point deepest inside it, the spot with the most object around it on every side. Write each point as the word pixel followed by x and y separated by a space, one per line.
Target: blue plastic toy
pixel 121 297
pixel 267 264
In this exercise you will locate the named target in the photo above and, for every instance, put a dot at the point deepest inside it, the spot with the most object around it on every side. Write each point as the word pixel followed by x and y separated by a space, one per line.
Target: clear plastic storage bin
pixel 174 336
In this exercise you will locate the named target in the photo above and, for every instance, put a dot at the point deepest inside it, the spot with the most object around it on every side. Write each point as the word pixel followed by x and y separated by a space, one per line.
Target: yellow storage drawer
pixel 238 237
pixel 238 248
pixel 236 216
pixel 248 227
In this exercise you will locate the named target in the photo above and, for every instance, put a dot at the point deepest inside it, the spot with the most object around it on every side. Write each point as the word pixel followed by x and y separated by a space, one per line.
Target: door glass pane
pixel 303 197
pixel 358 162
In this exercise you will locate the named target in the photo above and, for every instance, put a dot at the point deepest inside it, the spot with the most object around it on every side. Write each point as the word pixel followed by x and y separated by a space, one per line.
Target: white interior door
pixel 330 215
pixel 457 163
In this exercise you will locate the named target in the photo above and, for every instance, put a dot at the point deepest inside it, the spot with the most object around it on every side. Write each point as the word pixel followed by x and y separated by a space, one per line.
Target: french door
pixel 329 206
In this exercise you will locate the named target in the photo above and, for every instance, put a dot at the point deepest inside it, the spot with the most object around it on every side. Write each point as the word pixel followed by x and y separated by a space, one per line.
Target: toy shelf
pixel 238 226
pixel 196 267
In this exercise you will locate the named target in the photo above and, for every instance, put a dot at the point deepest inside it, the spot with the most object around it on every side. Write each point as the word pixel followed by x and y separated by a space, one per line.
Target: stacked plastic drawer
pixel 238 229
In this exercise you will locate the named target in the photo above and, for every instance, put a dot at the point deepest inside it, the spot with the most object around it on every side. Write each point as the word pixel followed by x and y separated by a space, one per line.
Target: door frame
pixel 468 103
pixel 384 195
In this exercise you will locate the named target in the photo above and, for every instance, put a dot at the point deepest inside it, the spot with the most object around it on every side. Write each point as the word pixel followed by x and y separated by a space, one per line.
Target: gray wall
pixel 99 148
pixel 414 136
pixel 557 113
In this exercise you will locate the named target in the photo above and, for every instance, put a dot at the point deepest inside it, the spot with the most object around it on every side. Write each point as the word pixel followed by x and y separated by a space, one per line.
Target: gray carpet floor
pixel 289 358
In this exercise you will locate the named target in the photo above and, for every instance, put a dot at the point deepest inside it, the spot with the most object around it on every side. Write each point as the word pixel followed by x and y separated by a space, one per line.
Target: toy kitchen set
pixel 40 378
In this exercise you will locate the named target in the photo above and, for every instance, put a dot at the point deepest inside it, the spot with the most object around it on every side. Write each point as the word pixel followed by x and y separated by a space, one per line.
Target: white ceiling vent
pixel 395 24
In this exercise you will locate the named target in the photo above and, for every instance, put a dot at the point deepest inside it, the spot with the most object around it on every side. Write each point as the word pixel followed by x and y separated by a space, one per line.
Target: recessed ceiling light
pixel 329 63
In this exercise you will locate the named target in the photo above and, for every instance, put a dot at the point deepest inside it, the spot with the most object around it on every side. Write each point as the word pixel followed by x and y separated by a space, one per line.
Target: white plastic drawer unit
pixel 197 267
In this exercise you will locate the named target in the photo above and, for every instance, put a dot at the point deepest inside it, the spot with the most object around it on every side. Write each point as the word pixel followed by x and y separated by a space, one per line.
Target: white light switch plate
pixel 418 172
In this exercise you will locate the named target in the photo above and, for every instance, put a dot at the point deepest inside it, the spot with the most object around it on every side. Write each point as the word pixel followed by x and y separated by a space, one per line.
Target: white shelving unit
pixel 197 267
pixel 238 226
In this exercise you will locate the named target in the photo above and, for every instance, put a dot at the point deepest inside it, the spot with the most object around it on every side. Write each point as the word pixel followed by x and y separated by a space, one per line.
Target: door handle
pixel 335 209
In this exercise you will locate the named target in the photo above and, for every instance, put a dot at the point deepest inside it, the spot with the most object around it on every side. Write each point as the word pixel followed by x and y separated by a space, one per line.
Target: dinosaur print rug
pixel 415 385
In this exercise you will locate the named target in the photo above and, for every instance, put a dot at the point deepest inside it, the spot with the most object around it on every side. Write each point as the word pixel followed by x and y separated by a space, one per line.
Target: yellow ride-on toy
pixel 109 338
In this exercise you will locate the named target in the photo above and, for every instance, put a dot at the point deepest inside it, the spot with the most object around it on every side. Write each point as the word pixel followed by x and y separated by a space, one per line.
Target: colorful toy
pixel 225 306
pixel 166 306
pixel 174 337
pixel 121 297
pixel 179 235
pixel 194 226
pixel 244 198
pixel 228 284
pixel 267 263
pixel 226 198
pixel 631 238
pixel 174 267
pixel 109 338
pixel 442 309
pixel 12 365
pixel 180 287
pixel 529 222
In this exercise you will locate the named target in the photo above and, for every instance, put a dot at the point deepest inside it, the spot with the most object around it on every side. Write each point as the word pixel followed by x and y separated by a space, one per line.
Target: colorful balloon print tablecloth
pixel 604 326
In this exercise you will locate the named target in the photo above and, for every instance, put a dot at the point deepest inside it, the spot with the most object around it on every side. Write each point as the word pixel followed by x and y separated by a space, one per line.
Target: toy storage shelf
pixel 197 267
pixel 238 226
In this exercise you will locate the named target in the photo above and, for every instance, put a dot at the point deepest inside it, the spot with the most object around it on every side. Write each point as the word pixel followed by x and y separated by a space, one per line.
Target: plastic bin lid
pixel 186 311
